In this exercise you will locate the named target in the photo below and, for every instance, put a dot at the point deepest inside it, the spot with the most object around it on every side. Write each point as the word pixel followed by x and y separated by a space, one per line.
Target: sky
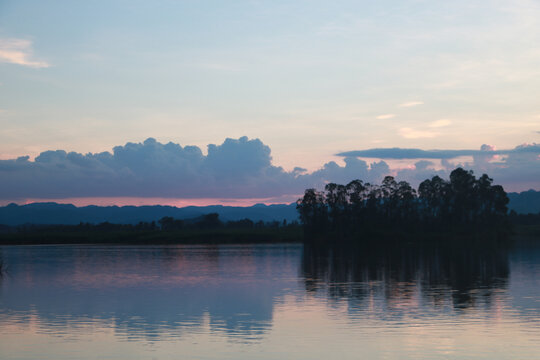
pixel 311 84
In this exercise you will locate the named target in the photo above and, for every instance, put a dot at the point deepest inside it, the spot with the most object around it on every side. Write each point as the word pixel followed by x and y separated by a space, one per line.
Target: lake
pixel 282 301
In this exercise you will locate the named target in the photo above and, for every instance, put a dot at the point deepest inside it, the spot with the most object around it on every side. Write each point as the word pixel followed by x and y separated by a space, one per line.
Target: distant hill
pixel 53 213
pixel 525 202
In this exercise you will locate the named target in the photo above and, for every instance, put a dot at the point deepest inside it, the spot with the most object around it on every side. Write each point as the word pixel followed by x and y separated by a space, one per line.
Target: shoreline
pixel 155 237
pixel 253 236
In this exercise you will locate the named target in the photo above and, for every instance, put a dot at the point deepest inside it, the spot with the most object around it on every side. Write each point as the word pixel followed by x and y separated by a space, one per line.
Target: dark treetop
pixel 461 204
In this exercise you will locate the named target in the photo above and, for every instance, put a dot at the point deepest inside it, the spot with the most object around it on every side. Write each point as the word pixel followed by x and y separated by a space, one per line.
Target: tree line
pixel 463 202
pixel 209 221
pixel 212 221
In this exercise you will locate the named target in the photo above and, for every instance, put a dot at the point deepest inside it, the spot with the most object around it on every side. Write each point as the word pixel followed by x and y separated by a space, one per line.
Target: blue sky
pixel 309 78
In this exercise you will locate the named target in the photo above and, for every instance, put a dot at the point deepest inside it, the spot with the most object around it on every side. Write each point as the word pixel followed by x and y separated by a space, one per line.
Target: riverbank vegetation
pixel 205 229
pixel 462 206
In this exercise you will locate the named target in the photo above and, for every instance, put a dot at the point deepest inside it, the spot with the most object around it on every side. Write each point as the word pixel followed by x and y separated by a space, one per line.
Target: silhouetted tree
pixel 240 224
pixel 210 221
pixel 313 211
pixel 463 202
pixel 167 223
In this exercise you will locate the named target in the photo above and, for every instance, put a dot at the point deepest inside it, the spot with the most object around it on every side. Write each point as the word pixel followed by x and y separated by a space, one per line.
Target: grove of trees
pixel 462 203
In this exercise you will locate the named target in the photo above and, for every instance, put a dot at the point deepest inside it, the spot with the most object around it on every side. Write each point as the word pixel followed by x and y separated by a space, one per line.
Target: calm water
pixel 268 302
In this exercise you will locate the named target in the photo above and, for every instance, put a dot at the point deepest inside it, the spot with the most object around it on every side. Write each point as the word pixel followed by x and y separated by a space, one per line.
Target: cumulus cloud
pixel 354 169
pixel 237 168
pixel 520 169
pixel 516 169
pixel 419 172
pixel 385 116
pixel 19 51
pixel 411 103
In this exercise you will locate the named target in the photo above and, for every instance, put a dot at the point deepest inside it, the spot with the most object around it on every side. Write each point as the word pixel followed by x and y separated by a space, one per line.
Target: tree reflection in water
pixel 462 277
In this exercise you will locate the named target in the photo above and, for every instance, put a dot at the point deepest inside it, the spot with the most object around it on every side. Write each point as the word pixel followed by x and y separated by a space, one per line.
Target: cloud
pixel 518 170
pixel 354 169
pixel 236 169
pixel 409 133
pixel 19 51
pixel 440 123
pixel 385 116
pixel 401 153
pixel 411 103
pixel 419 172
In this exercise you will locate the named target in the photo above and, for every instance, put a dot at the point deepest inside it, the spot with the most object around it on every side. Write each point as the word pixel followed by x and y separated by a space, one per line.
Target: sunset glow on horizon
pixel 141 201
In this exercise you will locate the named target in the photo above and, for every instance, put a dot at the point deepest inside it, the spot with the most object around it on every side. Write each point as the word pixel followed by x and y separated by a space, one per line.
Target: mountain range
pixel 54 213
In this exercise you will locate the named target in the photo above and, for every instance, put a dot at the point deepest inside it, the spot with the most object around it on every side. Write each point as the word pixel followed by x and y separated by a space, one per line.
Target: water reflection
pixel 464 278
pixel 147 292
pixel 242 302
